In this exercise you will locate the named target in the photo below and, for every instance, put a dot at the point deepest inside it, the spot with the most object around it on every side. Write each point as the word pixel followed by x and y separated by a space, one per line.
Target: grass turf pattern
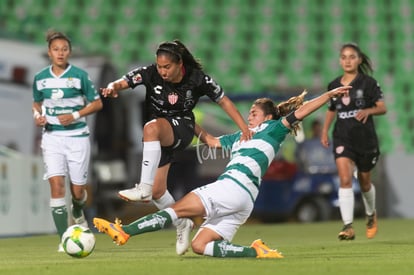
pixel 308 249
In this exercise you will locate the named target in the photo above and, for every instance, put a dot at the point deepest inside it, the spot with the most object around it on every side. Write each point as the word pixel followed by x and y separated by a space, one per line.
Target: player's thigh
pixel 53 155
pixel 78 156
pixel 227 207
pixel 183 132
pixel 159 129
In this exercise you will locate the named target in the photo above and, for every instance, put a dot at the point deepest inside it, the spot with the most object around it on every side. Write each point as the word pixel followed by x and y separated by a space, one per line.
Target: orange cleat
pixel 263 251
pixel 372 226
pixel 113 230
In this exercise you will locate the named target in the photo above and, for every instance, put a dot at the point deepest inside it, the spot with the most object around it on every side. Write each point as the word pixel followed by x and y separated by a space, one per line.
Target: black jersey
pixel 166 99
pixel 348 131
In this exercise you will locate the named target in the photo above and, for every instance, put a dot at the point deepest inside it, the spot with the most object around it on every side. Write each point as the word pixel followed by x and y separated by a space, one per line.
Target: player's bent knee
pixel 151 129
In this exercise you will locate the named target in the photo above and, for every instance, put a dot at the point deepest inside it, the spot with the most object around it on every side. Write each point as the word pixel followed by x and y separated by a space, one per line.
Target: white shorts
pixel 66 155
pixel 227 207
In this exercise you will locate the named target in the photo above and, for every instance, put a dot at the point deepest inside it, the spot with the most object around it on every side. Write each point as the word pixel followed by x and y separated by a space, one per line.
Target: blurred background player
pixel 355 142
pixel 311 156
pixel 227 203
pixel 174 85
pixel 63 96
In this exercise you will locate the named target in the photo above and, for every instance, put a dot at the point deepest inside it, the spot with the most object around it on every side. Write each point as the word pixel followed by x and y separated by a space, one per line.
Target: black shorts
pixel 364 161
pixel 183 129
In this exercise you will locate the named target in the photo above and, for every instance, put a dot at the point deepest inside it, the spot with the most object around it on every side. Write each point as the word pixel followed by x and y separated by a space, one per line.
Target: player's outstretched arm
pixel 114 87
pixel 205 137
pixel 312 105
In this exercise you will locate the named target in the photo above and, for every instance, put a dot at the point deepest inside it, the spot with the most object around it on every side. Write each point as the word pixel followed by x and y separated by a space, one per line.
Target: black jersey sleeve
pixel 375 91
pixel 138 75
pixel 210 88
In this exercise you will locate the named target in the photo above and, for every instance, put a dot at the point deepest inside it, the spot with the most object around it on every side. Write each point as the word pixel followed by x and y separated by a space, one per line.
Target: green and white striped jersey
pixel 250 159
pixel 65 94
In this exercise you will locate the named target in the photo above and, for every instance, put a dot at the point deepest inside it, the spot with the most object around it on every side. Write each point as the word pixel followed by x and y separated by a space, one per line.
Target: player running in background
pixel 174 85
pixel 227 203
pixel 67 96
pixel 355 142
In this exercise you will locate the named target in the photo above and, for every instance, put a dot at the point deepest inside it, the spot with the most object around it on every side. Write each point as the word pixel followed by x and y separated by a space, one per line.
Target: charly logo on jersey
pixel 57 94
pixel 172 98
pixel 158 89
pixel 137 79
pixel 70 83
pixel 360 101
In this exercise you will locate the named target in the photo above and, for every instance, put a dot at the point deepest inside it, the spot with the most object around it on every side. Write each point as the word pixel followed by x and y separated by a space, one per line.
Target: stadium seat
pixel 247 46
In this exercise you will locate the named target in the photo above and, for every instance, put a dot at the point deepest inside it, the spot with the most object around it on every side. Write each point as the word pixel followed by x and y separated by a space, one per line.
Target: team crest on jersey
pixel 70 83
pixel 346 100
pixel 137 79
pixel 172 98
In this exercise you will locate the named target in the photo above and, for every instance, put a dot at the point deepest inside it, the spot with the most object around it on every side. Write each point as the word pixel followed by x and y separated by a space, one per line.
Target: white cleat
pixel 183 236
pixel 141 192
pixel 60 248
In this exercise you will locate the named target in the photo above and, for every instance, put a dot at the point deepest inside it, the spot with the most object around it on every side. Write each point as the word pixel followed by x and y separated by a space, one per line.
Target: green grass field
pixel 308 249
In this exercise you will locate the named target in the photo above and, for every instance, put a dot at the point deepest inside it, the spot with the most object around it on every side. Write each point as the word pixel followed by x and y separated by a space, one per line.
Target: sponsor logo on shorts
pixel 339 149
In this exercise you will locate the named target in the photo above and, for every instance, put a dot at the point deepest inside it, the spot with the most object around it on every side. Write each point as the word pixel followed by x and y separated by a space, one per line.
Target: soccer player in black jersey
pixel 173 85
pixel 355 142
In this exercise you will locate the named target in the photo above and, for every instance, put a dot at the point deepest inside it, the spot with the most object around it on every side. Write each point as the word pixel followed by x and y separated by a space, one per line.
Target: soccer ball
pixel 78 241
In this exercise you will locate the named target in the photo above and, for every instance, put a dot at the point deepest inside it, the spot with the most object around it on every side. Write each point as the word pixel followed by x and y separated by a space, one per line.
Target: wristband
pixel 292 119
pixel 76 115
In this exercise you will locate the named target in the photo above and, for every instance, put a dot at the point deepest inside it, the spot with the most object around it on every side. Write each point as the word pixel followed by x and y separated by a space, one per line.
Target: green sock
pixel 148 223
pixel 78 206
pixel 225 249
pixel 60 217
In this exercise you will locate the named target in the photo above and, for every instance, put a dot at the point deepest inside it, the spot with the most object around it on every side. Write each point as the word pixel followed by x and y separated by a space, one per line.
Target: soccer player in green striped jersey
pixel 63 95
pixel 227 203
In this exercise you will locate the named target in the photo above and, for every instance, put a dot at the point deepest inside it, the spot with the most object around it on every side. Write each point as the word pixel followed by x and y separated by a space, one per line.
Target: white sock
pixel 369 200
pixel 150 160
pixel 59 202
pixel 176 221
pixel 172 214
pixel 165 201
pixel 208 251
pixel 346 204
